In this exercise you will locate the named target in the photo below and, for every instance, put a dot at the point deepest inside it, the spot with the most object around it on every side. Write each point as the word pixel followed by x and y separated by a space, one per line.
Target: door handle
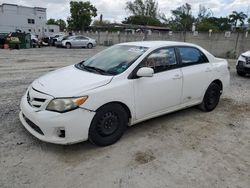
pixel 177 77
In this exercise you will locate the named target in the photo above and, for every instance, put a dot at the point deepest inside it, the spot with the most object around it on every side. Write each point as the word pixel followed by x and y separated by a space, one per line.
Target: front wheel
pixel 240 73
pixel 211 98
pixel 68 45
pixel 108 125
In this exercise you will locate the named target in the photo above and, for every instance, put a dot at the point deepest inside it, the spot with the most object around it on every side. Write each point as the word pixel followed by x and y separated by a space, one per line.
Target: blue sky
pixel 114 10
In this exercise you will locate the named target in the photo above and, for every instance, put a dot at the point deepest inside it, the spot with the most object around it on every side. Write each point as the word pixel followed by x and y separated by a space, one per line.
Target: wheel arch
pixel 90 43
pixel 120 103
pixel 219 83
pixel 68 43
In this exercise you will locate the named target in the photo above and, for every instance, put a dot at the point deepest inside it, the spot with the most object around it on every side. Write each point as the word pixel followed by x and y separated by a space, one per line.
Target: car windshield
pixel 114 60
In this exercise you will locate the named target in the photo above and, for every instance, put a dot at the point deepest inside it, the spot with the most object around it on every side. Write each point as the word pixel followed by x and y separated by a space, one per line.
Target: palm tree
pixel 237 16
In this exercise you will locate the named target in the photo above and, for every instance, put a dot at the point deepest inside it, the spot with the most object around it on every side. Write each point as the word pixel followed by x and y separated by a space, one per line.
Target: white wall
pixel 14 17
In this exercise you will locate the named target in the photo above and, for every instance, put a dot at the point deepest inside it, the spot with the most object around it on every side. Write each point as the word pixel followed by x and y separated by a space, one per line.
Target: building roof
pixel 10 4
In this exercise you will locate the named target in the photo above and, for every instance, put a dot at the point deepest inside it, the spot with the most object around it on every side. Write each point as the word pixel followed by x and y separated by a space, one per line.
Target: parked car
pixel 243 64
pixel 58 43
pixel 79 41
pixel 54 38
pixel 123 85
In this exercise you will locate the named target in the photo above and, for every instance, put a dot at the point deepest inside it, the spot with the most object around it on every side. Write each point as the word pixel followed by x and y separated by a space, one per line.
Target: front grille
pixel 36 99
pixel 247 60
pixel 33 125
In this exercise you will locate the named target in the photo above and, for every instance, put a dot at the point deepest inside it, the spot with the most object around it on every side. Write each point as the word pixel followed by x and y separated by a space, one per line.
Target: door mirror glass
pixel 145 72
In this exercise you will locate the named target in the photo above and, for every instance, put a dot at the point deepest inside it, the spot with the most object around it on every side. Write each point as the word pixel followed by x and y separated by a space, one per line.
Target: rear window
pixel 191 55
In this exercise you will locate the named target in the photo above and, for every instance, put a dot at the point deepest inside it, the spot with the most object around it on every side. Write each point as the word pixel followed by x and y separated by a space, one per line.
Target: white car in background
pixel 243 64
pixel 79 41
pixel 123 85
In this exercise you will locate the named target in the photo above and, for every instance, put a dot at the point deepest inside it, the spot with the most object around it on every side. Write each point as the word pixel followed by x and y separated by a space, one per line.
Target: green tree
pixel 147 8
pixel 237 16
pixel 81 15
pixel 101 22
pixel 61 23
pixel 216 24
pixel 183 19
pixel 142 20
pixel 51 21
pixel 144 12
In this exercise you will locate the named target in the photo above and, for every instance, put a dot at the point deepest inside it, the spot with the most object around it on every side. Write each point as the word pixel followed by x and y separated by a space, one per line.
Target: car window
pixel 81 38
pixel 160 60
pixel 191 55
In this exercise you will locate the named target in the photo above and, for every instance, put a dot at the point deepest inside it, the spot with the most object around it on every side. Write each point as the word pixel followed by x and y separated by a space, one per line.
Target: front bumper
pixel 75 124
pixel 243 67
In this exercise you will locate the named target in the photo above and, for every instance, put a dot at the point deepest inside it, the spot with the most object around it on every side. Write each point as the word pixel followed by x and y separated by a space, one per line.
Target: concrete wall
pixel 217 43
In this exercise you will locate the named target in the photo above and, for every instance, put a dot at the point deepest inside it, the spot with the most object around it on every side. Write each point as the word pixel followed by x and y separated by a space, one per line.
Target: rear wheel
pixel 68 45
pixel 211 98
pixel 240 73
pixel 90 45
pixel 108 125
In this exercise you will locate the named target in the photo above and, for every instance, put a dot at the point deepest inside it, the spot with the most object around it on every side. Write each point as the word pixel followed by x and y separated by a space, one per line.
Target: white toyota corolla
pixel 125 84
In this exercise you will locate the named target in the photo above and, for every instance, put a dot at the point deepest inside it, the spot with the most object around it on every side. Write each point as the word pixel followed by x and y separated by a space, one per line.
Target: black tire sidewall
pixel 212 87
pixel 90 45
pixel 99 140
pixel 68 44
pixel 240 73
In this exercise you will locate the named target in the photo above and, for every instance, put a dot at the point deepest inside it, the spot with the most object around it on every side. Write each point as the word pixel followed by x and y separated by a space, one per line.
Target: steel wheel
pixel 108 125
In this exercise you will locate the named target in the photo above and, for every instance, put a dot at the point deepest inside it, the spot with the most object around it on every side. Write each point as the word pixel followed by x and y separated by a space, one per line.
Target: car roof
pixel 155 44
pixel 158 44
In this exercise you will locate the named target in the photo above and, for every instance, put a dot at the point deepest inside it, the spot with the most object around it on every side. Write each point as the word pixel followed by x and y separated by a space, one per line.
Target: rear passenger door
pixel 196 71
pixel 83 41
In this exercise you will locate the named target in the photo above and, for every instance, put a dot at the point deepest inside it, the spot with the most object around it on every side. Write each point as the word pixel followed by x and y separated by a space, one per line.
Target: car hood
pixel 69 82
pixel 247 53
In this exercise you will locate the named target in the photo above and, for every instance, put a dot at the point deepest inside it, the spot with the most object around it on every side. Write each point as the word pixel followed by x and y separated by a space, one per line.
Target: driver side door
pixel 155 95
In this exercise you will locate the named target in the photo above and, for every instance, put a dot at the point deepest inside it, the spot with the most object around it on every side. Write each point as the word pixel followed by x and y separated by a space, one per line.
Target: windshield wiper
pixel 95 69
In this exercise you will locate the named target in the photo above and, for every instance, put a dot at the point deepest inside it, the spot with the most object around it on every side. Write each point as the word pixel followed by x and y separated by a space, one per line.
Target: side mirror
pixel 145 72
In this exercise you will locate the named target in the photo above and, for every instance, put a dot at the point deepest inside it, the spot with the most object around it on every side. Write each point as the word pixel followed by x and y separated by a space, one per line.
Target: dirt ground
pixel 188 148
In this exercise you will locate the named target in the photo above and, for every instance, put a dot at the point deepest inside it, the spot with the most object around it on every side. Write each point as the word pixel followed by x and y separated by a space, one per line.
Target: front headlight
pixel 65 104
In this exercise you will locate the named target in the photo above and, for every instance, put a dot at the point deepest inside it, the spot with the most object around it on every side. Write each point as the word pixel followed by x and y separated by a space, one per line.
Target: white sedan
pixel 123 85
pixel 243 64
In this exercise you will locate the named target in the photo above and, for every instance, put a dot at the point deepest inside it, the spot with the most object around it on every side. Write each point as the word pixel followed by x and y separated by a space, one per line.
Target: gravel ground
pixel 188 148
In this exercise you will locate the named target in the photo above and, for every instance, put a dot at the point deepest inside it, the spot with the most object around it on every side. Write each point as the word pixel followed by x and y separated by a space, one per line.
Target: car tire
pixel 68 45
pixel 108 125
pixel 240 73
pixel 90 45
pixel 211 98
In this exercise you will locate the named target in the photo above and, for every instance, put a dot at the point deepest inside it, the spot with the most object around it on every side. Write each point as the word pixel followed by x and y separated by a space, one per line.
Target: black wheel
pixel 240 73
pixel 211 98
pixel 90 45
pixel 108 125
pixel 68 45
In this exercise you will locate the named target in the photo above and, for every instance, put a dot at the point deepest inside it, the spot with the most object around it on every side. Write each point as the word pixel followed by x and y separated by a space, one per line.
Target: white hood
pixel 69 82
pixel 247 53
